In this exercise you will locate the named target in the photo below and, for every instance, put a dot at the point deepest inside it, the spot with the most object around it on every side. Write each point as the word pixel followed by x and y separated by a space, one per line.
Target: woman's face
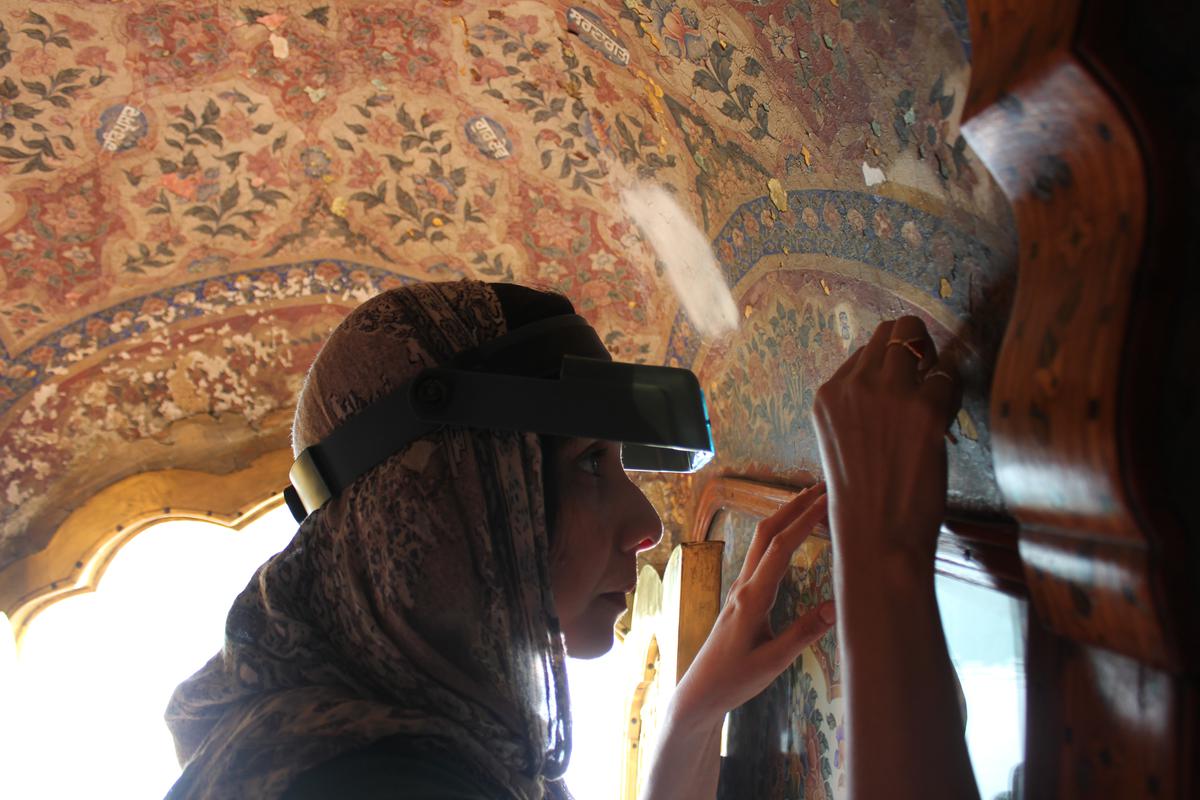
pixel 603 521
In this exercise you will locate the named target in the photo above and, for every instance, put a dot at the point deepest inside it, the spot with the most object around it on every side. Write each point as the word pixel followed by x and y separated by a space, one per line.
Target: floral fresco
pixel 193 194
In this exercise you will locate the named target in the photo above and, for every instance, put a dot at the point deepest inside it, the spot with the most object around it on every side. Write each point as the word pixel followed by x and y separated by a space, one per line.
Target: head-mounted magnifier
pixel 530 380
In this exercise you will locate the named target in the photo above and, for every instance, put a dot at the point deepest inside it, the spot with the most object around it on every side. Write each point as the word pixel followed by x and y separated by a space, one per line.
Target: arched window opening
pixel 82 698
pixel 94 671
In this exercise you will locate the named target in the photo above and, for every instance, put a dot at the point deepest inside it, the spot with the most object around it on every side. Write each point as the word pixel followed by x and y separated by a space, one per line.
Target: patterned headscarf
pixel 415 603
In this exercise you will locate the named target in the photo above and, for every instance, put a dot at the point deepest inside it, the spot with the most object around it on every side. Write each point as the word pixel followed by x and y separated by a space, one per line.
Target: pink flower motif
pixel 488 68
pixel 71 215
pixel 383 130
pixel 474 240
pixel 327 272
pixel 545 75
pixel 526 23
pixel 153 306
pixel 235 125
pixel 37 63
pixel 266 168
pixel 41 355
pixel 605 91
pixel 675 29
pixel 76 31
pixel 95 56
pixel 435 191
pixel 551 229
pixel 364 171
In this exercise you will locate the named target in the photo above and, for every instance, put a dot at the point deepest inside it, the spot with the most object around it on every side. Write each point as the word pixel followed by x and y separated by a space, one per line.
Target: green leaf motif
pixel 202 212
pixel 704 80
pixel 211 112
pixel 731 109
pixel 229 197
pixel 407 204
pixel 745 93
pixel 210 135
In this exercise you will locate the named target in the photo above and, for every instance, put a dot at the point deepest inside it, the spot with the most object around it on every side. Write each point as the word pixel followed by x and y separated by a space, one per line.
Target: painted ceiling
pixel 192 195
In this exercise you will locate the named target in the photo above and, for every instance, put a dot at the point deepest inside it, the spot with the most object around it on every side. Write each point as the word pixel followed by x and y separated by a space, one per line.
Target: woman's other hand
pixel 880 424
pixel 742 656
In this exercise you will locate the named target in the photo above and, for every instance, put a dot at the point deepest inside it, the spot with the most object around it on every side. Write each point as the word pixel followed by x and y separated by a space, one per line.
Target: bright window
pixel 82 704
pixel 95 671
pixel 985 637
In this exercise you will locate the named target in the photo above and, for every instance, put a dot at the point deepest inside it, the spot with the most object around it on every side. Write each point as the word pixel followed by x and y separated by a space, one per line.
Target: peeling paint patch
pixel 778 195
pixel 872 175
pixel 966 426
pixel 279 45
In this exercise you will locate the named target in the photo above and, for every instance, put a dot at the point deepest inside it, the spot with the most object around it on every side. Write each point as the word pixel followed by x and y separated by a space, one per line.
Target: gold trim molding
pixel 83 546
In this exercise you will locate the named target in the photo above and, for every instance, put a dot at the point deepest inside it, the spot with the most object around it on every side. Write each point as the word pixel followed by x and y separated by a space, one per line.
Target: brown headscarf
pixel 416 603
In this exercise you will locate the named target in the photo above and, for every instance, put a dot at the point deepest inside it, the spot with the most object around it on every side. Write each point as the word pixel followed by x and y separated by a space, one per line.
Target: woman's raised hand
pixel 742 656
pixel 880 422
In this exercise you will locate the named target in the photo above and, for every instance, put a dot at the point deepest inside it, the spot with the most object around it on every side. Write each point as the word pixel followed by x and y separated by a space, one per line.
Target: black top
pixel 390 770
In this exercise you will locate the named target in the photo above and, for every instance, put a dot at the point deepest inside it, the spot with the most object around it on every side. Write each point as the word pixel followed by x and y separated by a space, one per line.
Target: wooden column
pixel 1111 703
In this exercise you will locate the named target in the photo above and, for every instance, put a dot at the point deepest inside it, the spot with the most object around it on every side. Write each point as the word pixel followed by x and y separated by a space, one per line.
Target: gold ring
pixel 909 345
pixel 938 373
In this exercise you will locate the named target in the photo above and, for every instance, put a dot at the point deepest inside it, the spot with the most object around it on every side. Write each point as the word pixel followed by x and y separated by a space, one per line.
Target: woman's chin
pixel 586 641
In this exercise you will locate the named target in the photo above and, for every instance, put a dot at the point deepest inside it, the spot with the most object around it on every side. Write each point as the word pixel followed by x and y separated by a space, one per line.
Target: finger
pixel 910 351
pixel 770 527
pixel 942 389
pixel 872 356
pixel 847 365
pixel 782 651
pixel 778 556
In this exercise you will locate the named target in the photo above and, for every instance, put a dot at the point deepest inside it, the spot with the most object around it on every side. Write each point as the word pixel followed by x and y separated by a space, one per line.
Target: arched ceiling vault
pixel 193 194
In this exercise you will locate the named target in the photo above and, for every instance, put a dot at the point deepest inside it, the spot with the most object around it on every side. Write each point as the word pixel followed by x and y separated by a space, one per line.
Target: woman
pixel 409 642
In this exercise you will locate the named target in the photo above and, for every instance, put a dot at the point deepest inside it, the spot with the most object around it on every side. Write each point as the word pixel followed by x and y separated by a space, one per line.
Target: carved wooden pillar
pixel 671 618
pixel 1111 709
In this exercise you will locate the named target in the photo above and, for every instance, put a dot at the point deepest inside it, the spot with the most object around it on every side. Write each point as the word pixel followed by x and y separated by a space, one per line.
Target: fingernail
pixel 827 612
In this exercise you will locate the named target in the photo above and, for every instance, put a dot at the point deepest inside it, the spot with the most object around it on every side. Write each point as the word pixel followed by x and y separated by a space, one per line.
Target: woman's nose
pixel 643 528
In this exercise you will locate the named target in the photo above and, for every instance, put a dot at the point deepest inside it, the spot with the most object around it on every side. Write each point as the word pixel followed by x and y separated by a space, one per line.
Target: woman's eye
pixel 592 462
